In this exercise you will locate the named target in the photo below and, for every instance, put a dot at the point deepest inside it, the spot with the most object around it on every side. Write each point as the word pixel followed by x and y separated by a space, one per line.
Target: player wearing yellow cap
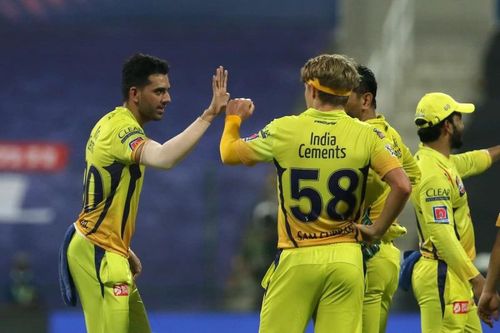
pixel 322 157
pixel 382 270
pixel 445 280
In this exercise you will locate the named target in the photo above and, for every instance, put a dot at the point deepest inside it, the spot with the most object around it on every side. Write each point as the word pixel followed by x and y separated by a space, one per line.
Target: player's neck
pixel 325 107
pixel 441 145
pixel 368 114
pixel 135 112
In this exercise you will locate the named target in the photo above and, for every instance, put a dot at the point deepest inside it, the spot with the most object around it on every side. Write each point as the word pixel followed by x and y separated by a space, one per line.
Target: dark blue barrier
pixel 63 322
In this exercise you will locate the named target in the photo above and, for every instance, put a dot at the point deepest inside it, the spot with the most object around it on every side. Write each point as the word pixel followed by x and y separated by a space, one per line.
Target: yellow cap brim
pixel 465 108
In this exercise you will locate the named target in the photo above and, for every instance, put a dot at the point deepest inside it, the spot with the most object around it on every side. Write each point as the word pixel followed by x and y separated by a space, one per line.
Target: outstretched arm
pixel 168 154
pixel 494 153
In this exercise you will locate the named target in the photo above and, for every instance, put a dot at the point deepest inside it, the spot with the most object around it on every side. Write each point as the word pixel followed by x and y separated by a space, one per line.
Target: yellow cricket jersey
pixel 498 220
pixel 440 201
pixel 112 181
pixel 322 161
pixel 377 189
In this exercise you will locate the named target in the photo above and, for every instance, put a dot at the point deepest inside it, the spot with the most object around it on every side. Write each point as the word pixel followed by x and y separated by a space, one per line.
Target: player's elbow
pixel 229 156
pixel 399 182
pixel 225 158
pixel 406 189
pixel 403 187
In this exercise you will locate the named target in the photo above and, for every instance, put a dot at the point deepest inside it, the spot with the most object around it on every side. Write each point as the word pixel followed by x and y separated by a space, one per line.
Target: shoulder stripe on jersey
pixel 280 172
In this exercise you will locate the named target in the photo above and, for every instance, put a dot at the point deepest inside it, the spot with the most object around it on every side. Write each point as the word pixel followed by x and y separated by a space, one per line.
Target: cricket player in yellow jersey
pixel 382 270
pixel 489 303
pixel 322 157
pixel 445 280
pixel 97 259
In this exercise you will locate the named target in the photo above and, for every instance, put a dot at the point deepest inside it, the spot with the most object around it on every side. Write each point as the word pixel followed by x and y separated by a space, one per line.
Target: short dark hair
pixel 431 134
pixel 138 68
pixel 367 84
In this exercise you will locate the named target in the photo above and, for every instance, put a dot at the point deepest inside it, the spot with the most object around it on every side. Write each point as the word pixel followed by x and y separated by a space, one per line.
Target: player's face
pixel 154 97
pixel 458 128
pixel 354 105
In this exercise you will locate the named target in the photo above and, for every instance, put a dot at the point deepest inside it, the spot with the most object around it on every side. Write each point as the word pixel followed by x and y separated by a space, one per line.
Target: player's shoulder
pixel 432 170
pixel 118 124
pixel 371 131
pixel 356 124
pixel 288 122
pixel 118 119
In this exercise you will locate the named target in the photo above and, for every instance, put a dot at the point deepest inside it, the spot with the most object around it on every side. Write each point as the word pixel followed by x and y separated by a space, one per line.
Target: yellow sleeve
pixel 498 220
pixel 410 166
pixel 437 212
pixel 471 163
pixel 125 141
pixel 248 151
pixel 383 156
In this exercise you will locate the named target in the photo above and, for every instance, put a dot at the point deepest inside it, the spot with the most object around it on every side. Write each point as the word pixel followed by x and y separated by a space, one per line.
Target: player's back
pixel 322 160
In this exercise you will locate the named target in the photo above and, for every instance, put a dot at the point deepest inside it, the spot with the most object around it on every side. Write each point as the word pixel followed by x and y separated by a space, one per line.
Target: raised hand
pixel 220 96
pixel 242 107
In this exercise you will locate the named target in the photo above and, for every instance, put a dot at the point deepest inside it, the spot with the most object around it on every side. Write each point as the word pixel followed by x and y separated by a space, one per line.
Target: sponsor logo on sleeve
pixel 460 307
pixel 437 194
pixel 379 133
pixel 120 289
pixel 134 143
pixel 251 137
pixel 391 150
pixel 460 185
pixel 126 133
pixel 440 214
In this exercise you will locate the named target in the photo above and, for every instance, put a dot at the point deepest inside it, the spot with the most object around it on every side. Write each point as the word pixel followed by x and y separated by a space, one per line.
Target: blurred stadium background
pixel 205 232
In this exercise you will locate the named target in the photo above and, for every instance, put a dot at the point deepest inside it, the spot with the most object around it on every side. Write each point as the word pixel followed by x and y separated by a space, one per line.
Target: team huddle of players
pixel 343 177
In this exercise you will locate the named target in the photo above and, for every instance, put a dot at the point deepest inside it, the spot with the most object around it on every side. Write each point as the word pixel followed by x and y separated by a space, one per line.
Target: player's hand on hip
pixel 242 107
pixel 220 96
pixel 369 233
pixel 135 264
